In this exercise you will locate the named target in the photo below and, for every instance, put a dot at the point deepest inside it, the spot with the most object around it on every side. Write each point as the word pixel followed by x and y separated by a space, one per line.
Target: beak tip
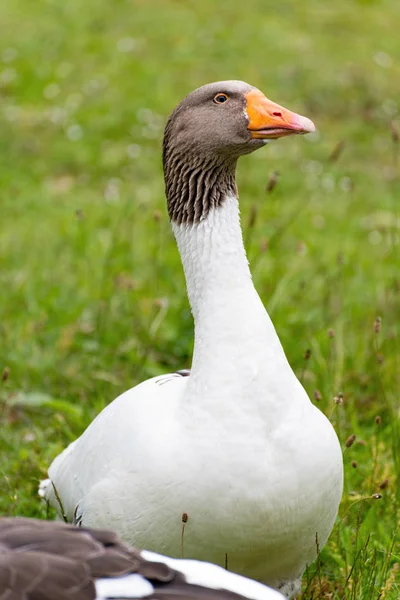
pixel 307 125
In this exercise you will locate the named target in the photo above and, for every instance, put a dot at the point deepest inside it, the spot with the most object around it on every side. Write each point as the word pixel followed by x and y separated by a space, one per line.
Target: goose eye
pixel 220 98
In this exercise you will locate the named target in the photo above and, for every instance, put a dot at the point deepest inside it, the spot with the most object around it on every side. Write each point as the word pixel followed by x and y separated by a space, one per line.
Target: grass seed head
pixel 252 216
pixel 317 395
pixel 378 325
pixel 273 180
pixel 6 374
pixel 395 132
pixel 337 151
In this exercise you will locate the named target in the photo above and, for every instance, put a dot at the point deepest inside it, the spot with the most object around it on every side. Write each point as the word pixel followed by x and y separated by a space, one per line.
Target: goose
pixel 43 560
pixel 230 461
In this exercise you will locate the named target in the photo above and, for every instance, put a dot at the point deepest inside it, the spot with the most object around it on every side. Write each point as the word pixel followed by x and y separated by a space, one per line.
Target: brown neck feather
pixel 195 182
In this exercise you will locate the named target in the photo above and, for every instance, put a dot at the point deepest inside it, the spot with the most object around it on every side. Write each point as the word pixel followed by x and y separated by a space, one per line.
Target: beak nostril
pixel 277 114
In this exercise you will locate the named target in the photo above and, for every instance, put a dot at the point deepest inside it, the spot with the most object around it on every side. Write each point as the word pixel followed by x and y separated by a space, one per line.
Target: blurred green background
pixel 92 296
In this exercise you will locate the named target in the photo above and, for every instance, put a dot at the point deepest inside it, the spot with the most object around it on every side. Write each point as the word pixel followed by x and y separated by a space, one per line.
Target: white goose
pixel 236 447
pixel 42 560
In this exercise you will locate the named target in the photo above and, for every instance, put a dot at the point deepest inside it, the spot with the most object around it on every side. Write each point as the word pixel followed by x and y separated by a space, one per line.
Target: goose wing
pixel 44 560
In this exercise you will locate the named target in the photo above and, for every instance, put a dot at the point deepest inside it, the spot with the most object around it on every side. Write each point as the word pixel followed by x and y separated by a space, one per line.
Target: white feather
pixel 238 445
pixel 127 586
pixel 217 578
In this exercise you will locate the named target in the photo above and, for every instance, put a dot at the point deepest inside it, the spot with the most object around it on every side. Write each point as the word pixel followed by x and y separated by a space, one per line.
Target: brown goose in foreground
pixel 43 560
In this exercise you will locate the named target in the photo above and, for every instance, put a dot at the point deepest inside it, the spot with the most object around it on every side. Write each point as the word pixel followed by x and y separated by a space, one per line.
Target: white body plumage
pixel 237 445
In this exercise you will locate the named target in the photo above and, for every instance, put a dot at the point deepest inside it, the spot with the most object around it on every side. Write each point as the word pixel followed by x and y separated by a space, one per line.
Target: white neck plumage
pixel 214 258
pixel 236 349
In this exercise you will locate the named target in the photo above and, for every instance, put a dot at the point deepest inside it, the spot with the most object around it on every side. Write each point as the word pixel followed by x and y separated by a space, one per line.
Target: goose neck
pixel 214 260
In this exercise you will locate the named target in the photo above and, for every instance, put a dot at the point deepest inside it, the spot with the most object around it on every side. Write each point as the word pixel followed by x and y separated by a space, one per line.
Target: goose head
pixel 207 133
pixel 231 117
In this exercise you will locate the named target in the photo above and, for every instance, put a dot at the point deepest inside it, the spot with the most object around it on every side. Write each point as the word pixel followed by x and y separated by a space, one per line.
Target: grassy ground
pixel 92 295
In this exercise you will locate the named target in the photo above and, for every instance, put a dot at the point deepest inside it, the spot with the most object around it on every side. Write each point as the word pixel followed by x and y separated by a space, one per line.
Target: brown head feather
pixel 202 142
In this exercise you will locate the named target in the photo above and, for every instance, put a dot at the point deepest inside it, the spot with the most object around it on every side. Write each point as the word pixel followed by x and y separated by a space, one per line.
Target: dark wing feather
pixel 179 589
pixel 38 576
pixel 192 592
pixel 47 560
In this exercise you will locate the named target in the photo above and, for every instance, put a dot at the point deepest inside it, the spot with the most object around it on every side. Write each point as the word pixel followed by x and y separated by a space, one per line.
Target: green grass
pixel 92 293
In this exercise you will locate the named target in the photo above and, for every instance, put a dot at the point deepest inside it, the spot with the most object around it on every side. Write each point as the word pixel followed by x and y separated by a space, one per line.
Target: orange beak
pixel 269 121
